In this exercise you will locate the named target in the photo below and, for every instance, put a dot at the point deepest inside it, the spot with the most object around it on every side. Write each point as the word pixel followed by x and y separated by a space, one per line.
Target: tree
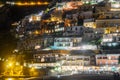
pixel 96 42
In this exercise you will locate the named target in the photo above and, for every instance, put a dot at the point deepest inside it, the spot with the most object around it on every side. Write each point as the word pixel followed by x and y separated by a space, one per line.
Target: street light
pixel 32 69
pixel 9 79
pixel 17 63
pixel 10 64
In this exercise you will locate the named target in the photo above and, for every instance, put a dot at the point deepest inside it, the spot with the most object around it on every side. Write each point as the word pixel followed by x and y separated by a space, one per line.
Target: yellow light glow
pixel 25 64
pixel 39 3
pixel 17 63
pixel 29 66
pixel 94 25
pixel 9 79
pixel 36 32
pixel 26 3
pixel 45 3
pixel 32 3
pixel 107 31
pixel 53 19
pixel 32 69
pixel 19 3
pixel 10 64
pixel 115 9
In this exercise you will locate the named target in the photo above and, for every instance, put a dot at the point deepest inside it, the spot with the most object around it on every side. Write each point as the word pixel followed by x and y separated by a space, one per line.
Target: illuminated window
pixel 109 44
pixel 104 57
pixel 99 57
pixel 75 40
pixel 67 44
pixel 109 57
pixel 38 56
pixel 63 44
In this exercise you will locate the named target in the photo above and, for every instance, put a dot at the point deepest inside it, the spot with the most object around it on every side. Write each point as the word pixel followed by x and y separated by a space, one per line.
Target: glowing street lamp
pixel 19 3
pixel 39 3
pixel 17 63
pixel 9 79
pixel 10 64
pixel 32 69
pixel 36 32
pixel 32 3
pixel 45 3
pixel 26 3
pixel 25 64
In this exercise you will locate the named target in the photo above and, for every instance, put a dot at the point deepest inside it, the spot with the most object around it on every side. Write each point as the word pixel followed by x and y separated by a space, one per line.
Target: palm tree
pixel 96 42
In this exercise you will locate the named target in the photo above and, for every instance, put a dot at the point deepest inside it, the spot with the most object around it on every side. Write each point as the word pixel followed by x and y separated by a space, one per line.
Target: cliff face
pixel 5 18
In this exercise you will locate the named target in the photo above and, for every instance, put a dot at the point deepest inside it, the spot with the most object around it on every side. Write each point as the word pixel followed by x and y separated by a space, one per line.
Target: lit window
pixel 63 44
pixel 109 57
pixel 38 56
pixel 109 44
pixel 104 57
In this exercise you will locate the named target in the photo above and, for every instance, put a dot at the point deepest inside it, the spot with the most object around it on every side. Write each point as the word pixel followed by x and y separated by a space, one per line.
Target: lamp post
pixel 9 67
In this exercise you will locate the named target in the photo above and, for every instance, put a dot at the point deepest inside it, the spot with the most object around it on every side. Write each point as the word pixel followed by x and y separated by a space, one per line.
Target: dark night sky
pixel 9 14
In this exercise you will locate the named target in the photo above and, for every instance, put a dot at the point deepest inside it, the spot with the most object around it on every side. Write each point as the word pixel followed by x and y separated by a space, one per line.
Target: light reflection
pixel 27 3
pixel 14 79
pixel 9 78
